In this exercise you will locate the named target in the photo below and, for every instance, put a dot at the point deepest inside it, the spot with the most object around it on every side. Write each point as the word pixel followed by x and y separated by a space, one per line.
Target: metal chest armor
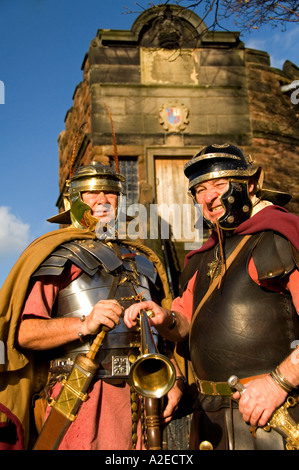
pixel 245 329
pixel 102 267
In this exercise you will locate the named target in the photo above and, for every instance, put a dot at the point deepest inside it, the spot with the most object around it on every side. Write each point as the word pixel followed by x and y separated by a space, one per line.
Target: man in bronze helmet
pixel 65 288
pixel 239 306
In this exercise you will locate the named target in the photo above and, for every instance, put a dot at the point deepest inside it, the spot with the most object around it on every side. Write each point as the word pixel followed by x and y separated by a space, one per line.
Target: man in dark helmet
pixel 66 287
pixel 239 305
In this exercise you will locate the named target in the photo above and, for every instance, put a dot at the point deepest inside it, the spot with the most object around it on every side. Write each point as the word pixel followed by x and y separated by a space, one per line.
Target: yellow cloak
pixel 21 375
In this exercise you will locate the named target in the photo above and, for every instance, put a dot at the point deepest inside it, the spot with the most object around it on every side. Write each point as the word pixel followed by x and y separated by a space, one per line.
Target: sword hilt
pixel 234 382
pixel 91 354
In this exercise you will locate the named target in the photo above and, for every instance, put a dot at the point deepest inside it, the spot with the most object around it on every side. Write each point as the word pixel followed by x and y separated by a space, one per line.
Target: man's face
pixel 103 204
pixel 208 195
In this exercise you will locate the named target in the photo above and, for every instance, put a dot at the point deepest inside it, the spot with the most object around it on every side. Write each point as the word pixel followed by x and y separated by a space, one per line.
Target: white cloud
pixel 286 39
pixel 14 234
pixel 280 45
pixel 259 44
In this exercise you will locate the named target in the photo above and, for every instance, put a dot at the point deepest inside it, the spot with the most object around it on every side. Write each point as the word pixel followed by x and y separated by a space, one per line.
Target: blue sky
pixel 42 47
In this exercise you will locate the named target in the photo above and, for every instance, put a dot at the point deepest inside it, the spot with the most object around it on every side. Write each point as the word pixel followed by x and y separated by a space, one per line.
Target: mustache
pixel 103 208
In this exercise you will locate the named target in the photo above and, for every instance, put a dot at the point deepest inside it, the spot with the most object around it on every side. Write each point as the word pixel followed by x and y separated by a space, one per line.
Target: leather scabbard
pixel 64 410
pixel 53 431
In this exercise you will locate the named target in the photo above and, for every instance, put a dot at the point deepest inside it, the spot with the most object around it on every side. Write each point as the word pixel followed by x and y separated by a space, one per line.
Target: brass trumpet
pixel 152 375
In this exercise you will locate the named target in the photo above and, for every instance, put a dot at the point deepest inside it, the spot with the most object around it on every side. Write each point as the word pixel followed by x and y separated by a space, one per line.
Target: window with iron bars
pixel 128 168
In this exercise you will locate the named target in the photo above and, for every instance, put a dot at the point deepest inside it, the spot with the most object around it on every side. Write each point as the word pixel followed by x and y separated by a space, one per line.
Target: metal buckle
pixel 120 366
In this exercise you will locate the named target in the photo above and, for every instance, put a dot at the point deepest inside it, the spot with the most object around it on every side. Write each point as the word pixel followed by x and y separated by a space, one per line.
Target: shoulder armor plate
pixel 146 267
pixel 143 265
pixel 98 251
pixel 273 256
pixel 88 255
pixel 295 254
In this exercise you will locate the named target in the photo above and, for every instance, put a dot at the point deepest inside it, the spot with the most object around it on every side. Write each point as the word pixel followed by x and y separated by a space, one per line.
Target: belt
pixel 207 387
pixel 213 388
pixel 61 366
pixel 117 366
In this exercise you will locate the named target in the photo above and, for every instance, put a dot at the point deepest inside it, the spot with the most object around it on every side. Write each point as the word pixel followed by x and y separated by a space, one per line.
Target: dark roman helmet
pixel 218 161
pixel 92 177
pixel 228 161
pixel 225 161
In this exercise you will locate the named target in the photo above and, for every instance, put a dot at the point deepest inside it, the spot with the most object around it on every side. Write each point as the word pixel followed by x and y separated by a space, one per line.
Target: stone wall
pixel 225 91
pixel 274 126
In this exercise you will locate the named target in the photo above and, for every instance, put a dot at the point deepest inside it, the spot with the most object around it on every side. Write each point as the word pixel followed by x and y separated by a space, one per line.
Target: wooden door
pixel 171 191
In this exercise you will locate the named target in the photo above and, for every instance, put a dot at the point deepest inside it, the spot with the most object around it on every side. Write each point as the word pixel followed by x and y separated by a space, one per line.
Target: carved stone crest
pixel 174 116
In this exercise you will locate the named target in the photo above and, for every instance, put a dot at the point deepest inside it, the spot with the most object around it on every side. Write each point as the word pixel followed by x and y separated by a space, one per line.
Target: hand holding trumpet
pixel 171 325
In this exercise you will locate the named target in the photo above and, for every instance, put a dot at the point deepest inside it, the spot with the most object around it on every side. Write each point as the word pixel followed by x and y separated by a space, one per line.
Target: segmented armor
pixel 108 271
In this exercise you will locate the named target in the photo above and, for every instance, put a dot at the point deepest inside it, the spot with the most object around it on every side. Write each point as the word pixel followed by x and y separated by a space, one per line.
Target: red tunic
pixel 105 419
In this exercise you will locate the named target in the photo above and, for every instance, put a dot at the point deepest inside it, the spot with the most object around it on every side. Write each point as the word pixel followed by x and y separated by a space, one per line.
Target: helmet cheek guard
pixel 237 204
pixel 80 212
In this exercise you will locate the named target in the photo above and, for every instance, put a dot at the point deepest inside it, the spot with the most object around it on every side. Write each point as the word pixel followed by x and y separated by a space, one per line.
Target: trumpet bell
pixel 152 375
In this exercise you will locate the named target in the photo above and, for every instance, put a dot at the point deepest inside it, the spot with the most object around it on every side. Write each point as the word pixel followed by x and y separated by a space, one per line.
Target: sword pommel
pixel 234 382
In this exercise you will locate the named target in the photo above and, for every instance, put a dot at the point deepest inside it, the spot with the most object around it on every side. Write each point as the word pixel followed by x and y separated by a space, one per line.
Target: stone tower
pixel 172 87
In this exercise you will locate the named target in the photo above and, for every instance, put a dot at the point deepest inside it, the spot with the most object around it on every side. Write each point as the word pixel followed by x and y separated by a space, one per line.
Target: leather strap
pixel 215 282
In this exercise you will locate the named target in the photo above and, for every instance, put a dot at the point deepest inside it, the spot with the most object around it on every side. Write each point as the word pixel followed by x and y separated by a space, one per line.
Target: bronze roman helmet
pixel 228 161
pixel 92 177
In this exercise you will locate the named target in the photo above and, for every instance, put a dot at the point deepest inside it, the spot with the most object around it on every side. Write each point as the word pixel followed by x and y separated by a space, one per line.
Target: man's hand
pixel 105 312
pixel 259 400
pixel 174 396
pixel 162 319
pixel 160 314
pixel 38 334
